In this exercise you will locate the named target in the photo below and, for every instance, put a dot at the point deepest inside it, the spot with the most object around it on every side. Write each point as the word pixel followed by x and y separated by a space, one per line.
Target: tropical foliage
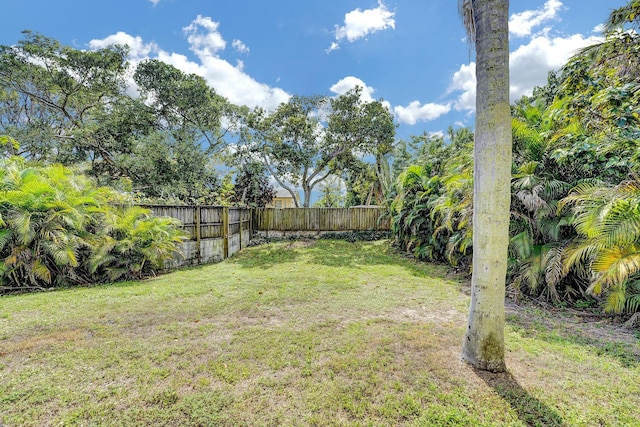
pixel 58 229
pixel 608 243
pixel 575 223
pixel 431 214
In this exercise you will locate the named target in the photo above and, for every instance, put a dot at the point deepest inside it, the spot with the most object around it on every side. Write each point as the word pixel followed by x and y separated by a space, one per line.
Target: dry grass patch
pixel 330 333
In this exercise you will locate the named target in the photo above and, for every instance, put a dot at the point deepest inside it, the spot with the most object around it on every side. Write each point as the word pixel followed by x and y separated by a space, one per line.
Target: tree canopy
pixel 308 139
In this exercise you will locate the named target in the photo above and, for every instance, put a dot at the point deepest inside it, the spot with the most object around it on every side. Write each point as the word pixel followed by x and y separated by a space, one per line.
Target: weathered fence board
pixel 319 219
pixel 214 232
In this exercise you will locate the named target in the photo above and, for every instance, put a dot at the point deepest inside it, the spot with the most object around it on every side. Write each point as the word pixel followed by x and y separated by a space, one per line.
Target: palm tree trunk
pixel 484 341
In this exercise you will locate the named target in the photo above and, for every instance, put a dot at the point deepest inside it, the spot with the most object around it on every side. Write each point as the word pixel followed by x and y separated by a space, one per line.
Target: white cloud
pixel 346 84
pixel 438 134
pixel 138 51
pixel 366 95
pixel 530 64
pixel 137 47
pixel 464 80
pixel 411 114
pixel 240 46
pixel 415 112
pixel 522 24
pixel 206 42
pixel 529 67
pixel 360 23
pixel 154 2
pixel 229 81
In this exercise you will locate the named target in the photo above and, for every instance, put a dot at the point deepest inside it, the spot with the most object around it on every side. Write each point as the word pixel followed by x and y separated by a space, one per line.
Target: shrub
pixel 358 236
pixel 58 229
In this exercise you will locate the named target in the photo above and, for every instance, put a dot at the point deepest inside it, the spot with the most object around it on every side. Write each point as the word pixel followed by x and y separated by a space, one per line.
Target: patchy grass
pixel 325 333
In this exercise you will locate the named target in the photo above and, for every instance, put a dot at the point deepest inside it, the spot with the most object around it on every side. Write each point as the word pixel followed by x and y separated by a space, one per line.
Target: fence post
pixel 197 219
pixel 241 213
pixel 225 232
pixel 251 211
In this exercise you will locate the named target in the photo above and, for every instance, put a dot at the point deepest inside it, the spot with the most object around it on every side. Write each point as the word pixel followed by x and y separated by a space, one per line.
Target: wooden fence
pixel 273 221
pixel 215 232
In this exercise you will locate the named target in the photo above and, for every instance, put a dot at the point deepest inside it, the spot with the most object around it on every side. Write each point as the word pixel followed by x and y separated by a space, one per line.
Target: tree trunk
pixel 306 190
pixel 483 346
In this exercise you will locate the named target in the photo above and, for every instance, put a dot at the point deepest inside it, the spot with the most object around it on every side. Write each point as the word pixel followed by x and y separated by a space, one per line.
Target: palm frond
pixel 616 299
pixel 6 234
pixel 465 9
pixel 579 252
pixel 554 267
pixel 41 271
pixel 617 264
pixel 521 245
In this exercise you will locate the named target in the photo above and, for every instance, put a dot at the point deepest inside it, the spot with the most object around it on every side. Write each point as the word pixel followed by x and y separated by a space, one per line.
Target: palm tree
pixel 57 228
pixel 487 25
pixel 452 211
pixel 537 245
pixel 44 218
pixel 411 222
pixel 133 244
pixel 608 223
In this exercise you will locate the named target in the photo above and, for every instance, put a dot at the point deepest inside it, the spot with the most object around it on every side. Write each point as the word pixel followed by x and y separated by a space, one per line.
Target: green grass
pixel 326 333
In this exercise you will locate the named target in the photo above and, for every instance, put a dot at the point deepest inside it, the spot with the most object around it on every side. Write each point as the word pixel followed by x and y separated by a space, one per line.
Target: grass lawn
pixel 300 334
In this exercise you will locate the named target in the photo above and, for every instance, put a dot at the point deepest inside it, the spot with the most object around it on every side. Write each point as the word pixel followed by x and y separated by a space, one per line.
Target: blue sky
pixel 410 53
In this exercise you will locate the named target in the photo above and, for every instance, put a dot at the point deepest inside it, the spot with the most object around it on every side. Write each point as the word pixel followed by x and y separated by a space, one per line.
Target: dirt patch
pixel 40 342
pixel 301 244
pixel 424 314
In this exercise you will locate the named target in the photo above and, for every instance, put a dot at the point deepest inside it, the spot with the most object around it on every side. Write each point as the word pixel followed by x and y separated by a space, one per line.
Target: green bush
pixel 431 215
pixel 358 236
pixel 58 229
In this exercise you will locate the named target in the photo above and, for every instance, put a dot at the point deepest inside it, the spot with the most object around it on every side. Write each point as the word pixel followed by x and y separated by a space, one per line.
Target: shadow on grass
pixel 338 253
pixel 616 350
pixel 334 253
pixel 266 256
pixel 531 410
pixel 555 331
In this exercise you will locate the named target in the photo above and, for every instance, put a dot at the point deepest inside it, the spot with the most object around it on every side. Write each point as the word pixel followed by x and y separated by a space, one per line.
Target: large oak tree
pixel 308 139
